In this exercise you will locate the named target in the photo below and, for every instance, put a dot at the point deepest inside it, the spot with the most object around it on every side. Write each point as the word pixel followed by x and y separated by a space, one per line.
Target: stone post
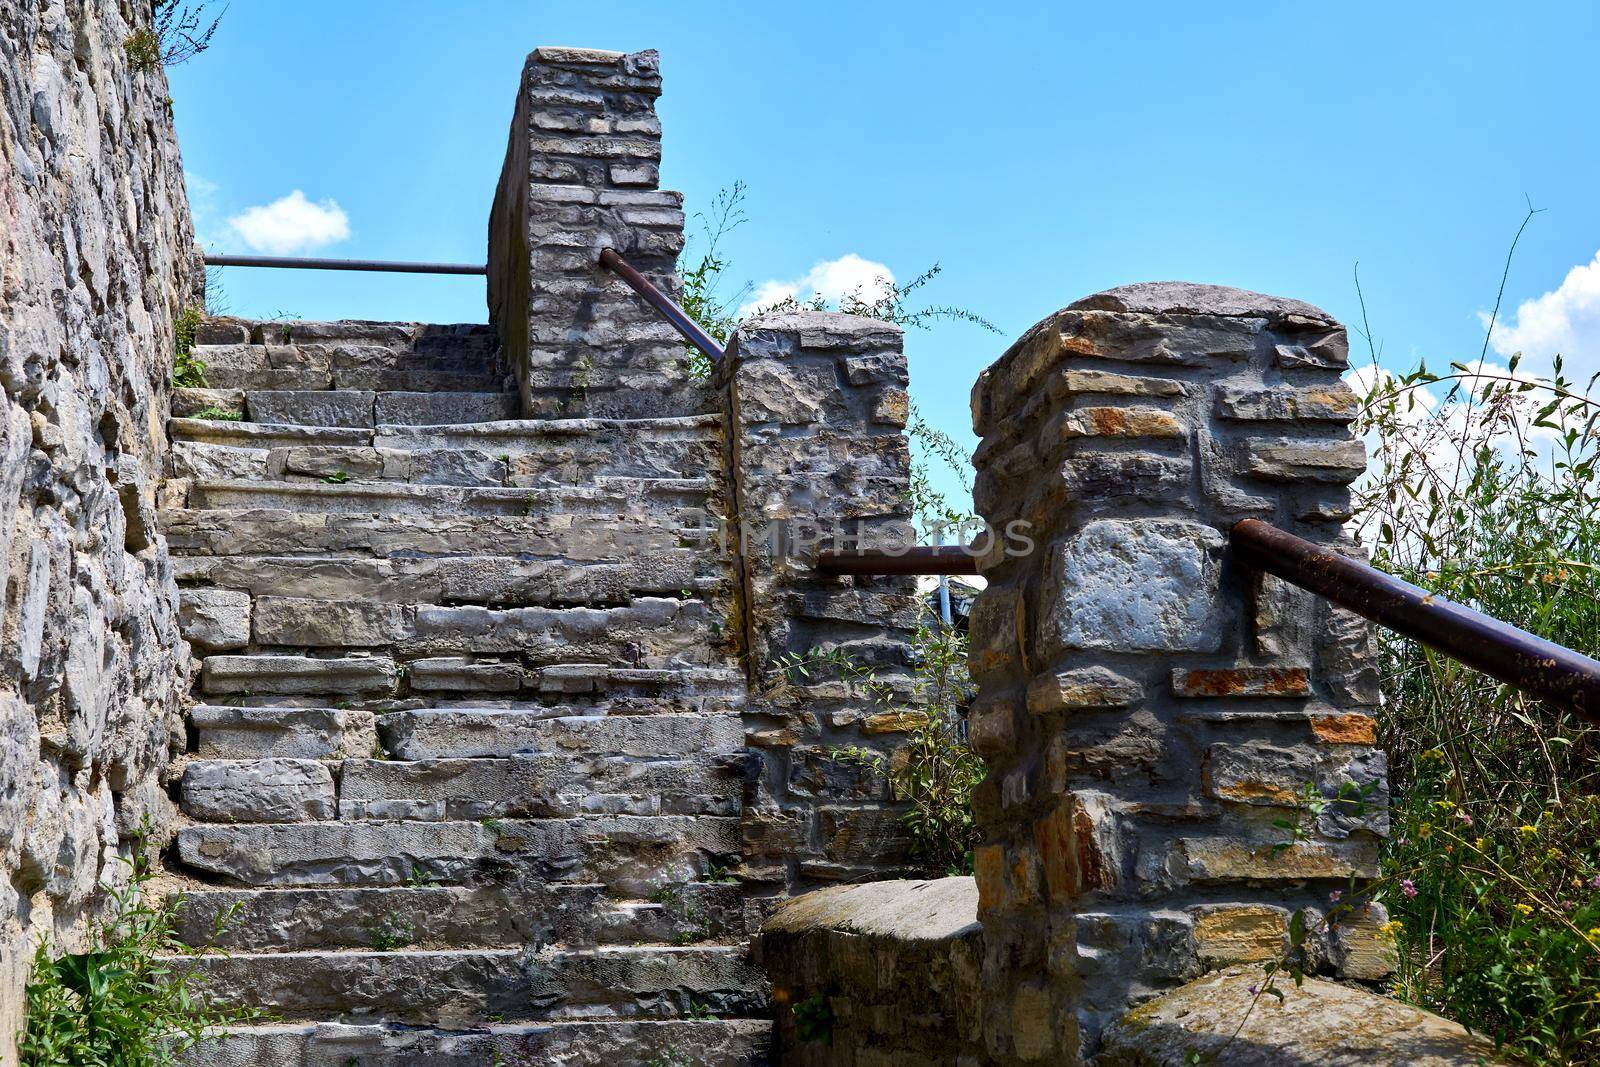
pixel 816 407
pixel 581 174
pixel 1148 708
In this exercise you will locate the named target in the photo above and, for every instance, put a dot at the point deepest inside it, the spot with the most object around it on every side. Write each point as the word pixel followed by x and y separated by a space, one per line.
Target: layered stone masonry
pixel 96 258
pixel 816 408
pixel 1148 708
pixel 581 174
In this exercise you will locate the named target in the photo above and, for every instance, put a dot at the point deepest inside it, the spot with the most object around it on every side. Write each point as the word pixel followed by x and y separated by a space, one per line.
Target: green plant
pixel 1483 490
pixel 217 414
pixel 188 372
pixel 393 933
pixel 336 478
pixel 813 1019
pixel 126 1001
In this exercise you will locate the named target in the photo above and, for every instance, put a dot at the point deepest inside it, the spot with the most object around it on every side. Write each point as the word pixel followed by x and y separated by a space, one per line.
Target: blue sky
pixel 1038 151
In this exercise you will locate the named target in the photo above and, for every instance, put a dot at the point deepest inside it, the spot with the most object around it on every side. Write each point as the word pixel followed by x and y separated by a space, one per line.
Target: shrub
pixel 188 372
pixel 1483 491
pixel 120 1004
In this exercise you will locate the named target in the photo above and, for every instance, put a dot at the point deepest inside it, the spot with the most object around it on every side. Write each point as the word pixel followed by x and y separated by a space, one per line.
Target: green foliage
pixel 188 372
pixel 118 1004
pixel 176 34
pixel 813 1019
pixel 217 414
pixel 1484 492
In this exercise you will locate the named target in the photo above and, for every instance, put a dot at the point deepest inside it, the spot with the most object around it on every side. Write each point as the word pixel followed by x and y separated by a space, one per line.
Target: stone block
pixel 1145 585
pixel 300 622
pixel 1244 681
pixel 1336 460
pixel 996 630
pixel 214 620
pixel 345 407
pixel 1239 933
pixel 1082 689
pixel 1222 859
pixel 1111 422
pixel 1333 402
pixel 265 791
pixel 1357 948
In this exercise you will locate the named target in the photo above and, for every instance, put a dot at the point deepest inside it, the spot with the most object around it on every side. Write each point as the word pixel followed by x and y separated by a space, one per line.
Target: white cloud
pixel 1565 321
pixel 830 279
pixel 291 224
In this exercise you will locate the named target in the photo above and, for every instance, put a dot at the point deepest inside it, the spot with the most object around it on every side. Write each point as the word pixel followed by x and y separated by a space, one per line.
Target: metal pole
pixel 1500 650
pixel 922 559
pixel 390 266
pixel 944 584
pixel 670 311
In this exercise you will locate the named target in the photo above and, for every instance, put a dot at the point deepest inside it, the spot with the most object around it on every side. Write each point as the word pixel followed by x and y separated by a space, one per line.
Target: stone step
pixel 648 632
pixel 454 734
pixel 501 914
pixel 570 534
pixel 612 497
pixel 630 854
pixel 376 677
pixel 349 365
pixel 453 985
pixel 424 338
pixel 516 453
pixel 647 726
pixel 366 407
pixel 529 786
pixel 488 580
pixel 619 1043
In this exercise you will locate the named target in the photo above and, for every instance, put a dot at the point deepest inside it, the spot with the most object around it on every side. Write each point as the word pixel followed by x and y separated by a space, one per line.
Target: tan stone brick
pixel 1113 422
pixel 989 871
pixel 1238 933
pixel 1033 1024
pixel 1345 729
pixel 893 722
pixel 1221 859
pixel 1084 689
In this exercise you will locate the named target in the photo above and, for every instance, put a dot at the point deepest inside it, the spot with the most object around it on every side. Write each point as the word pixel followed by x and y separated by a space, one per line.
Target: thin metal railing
pixel 1482 642
pixel 921 559
pixel 663 303
pixel 306 263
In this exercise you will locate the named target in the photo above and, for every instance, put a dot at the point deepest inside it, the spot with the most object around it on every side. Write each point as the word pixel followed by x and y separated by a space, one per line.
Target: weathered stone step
pixel 601 534
pixel 648 726
pixel 366 407
pixel 399 338
pixel 348 365
pixel 373 677
pixel 537 786
pixel 619 1043
pixel 437 733
pixel 489 580
pixel 489 915
pixel 648 632
pixel 529 786
pixel 618 497
pixel 451 985
pixel 513 454
pixel 631 854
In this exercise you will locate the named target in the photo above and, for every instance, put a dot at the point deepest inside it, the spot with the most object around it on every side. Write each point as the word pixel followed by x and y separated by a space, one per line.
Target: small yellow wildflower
pixel 1478 844
pixel 1527 831
pixel 1443 805
pixel 1594 934
pixel 1425 831
pixel 1525 909
pixel 1390 930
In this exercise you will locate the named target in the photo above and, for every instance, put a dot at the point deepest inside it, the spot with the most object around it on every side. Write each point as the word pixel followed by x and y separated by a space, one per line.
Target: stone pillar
pixel 1148 707
pixel 816 408
pixel 581 174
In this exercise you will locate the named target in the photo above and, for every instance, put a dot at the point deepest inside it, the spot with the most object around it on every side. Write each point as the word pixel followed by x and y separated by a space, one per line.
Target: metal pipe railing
pixel 304 263
pixel 1486 644
pixel 668 308
pixel 921 559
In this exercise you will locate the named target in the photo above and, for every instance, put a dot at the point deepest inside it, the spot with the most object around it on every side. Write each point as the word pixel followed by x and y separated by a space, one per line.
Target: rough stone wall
pixel 816 408
pixel 95 264
pixel 884 973
pixel 581 174
pixel 1147 708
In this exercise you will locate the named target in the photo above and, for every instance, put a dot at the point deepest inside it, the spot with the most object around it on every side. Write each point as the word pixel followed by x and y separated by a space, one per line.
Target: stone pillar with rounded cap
pixel 1152 713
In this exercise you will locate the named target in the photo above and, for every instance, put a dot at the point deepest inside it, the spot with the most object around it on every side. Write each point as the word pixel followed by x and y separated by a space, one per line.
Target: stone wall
pixel 816 408
pixel 581 174
pixel 95 265
pixel 1147 708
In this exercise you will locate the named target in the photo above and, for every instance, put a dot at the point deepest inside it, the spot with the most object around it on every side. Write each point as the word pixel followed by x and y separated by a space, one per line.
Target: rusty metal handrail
pixel 921 559
pixel 1486 644
pixel 307 263
pixel 669 309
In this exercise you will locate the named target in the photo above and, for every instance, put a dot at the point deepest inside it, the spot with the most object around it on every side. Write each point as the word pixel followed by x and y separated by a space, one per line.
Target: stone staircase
pixel 465 765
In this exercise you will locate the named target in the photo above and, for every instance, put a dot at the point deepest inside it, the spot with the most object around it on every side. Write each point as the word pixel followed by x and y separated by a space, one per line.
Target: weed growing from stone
pixel 215 414
pixel 188 372
pixel 119 1003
